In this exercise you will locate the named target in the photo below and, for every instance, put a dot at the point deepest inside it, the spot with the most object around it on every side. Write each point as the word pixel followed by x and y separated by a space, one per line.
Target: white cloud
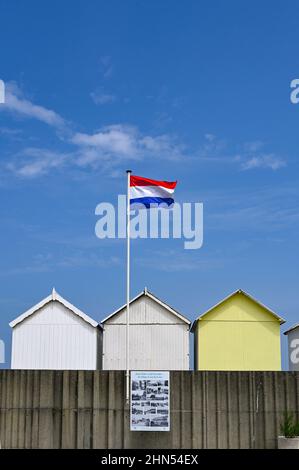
pixel 13 135
pixel 254 157
pixel 120 143
pixel 263 161
pixel 10 132
pixel 253 146
pixel 210 137
pixel 213 149
pixel 259 210
pixel 101 97
pixel 172 261
pixel 17 103
pixel 162 119
pixel 123 142
pixel 116 140
pixel 79 260
pixel 107 66
pixel 246 156
pixel 49 262
pixel 106 149
pixel 34 162
pixel 162 145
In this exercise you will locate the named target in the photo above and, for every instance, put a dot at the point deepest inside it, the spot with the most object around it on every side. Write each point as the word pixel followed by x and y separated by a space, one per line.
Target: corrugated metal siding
pixel 53 313
pixel 293 336
pixel 156 347
pixel 146 310
pixel 86 409
pixel 54 338
pixel 158 339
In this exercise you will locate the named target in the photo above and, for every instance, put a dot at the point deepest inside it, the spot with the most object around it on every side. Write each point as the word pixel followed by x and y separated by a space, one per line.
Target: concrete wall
pixel 85 409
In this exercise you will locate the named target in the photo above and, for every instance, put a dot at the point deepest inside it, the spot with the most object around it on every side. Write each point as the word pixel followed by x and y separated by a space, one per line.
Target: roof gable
pixel 54 296
pixel 219 309
pixel 294 327
pixel 155 299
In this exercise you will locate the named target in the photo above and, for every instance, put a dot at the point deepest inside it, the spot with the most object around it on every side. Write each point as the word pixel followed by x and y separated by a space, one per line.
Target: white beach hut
pixel 159 336
pixel 54 334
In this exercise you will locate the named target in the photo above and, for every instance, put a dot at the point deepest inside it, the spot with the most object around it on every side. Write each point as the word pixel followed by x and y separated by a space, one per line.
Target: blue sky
pixel 194 91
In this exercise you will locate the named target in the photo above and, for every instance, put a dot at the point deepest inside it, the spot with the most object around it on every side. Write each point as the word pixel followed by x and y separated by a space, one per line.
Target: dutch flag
pixel 145 192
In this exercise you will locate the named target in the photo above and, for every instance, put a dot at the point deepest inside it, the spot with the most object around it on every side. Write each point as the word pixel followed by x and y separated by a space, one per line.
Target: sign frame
pixel 149 401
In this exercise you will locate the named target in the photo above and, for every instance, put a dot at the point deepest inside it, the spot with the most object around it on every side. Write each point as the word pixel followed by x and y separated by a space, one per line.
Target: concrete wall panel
pixel 86 409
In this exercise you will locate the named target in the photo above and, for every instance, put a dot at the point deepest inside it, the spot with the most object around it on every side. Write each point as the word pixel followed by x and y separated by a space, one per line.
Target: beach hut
pixel 238 333
pixel 159 336
pixel 54 334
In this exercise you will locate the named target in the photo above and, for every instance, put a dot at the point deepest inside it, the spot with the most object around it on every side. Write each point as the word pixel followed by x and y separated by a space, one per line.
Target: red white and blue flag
pixel 151 193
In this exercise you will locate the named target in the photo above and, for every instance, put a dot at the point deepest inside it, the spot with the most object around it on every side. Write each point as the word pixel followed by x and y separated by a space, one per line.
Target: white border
pixel 150 375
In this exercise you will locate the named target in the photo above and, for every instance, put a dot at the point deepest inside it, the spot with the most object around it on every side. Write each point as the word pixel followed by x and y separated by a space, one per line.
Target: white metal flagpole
pixel 128 294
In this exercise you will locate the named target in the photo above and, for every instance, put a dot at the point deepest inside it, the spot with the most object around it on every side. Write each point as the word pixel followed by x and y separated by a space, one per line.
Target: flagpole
pixel 128 294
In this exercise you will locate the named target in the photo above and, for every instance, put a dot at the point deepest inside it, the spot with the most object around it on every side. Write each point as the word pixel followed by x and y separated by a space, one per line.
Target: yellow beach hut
pixel 238 333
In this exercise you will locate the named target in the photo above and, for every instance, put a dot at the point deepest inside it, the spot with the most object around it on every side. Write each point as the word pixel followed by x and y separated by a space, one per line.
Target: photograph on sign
pixel 150 395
